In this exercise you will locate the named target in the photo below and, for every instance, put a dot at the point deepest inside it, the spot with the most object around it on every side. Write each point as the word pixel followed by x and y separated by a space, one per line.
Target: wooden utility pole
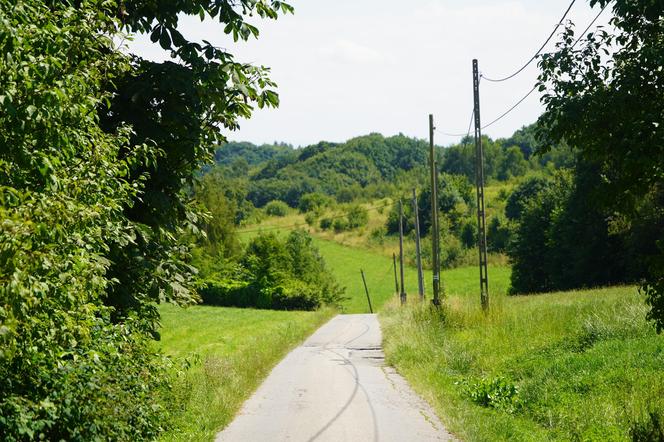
pixel 479 182
pixel 366 290
pixel 402 293
pixel 435 232
pixel 420 275
pixel 396 279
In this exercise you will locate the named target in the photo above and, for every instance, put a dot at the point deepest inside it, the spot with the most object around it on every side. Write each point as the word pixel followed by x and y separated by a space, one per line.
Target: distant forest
pixel 546 216
pixel 373 165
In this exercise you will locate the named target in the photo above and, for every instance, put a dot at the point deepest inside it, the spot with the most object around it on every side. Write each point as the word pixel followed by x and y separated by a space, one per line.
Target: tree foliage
pixel 605 95
pixel 180 107
pixel 277 274
pixel 97 153
pixel 66 370
pixel 563 239
pixel 230 152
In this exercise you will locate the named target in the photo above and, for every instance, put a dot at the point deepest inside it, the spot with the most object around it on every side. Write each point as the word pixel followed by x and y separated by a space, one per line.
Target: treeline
pixel 564 237
pixel 547 218
pixel 252 155
pixel 374 166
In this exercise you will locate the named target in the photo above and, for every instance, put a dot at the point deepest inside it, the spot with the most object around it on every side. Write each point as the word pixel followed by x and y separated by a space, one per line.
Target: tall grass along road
pixel 231 350
pixel 581 365
pixel 335 387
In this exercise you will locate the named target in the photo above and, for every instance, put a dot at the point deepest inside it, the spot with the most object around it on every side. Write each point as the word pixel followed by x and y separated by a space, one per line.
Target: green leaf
pixel 177 38
pixel 154 36
pixel 165 40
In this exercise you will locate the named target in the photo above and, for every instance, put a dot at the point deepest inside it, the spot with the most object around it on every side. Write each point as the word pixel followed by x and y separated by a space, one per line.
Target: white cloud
pixel 348 67
pixel 346 51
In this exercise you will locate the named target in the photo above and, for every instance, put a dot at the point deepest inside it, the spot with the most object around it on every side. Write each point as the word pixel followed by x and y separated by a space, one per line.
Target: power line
pixel 504 114
pixel 560 22
pixel 470 125
pixel 467 134
pixel 590 25
pixel 583 34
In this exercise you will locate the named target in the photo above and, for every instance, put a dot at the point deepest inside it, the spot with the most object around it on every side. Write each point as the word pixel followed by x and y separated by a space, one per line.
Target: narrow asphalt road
pixel 336 387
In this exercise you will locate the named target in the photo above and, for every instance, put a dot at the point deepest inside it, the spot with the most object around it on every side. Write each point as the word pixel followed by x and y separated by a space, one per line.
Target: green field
pixel 231 351
pixel 346 262
pixel 580 365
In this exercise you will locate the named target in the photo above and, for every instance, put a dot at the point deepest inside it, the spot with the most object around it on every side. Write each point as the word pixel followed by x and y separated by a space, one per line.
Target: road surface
pixel 336 387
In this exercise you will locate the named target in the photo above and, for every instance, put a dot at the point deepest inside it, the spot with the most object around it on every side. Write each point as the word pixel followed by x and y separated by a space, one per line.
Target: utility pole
pixel 479 182
pixel 402 293
pixel 366 290
pixel 396 279
pixel 420 275
pixel 435 232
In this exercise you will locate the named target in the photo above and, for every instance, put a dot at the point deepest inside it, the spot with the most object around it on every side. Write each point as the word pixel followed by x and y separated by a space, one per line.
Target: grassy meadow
pixel 346 262
pixel 230 351
pixel 581 365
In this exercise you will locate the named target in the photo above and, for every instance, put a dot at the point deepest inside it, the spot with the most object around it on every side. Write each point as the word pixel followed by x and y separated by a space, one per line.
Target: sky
pixel 346 68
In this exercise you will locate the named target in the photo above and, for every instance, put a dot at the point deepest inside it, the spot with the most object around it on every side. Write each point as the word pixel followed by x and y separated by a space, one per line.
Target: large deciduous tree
pixel 96 148
pixel 605 96
pixel 180 107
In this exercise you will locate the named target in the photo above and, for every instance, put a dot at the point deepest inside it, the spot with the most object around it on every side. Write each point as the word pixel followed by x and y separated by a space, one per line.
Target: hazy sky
pixel 350 67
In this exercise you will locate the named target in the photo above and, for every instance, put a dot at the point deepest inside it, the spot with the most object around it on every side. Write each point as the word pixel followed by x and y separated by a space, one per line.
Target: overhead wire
pixel 470 125
pixel 539 51
pixel 583 34
pixel 585 31
pixel 508 111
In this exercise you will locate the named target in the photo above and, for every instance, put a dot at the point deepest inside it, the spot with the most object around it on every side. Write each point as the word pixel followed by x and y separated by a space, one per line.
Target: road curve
pixel 336 387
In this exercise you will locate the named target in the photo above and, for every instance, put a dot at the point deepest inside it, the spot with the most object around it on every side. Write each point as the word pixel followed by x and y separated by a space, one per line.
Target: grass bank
pixel 231 351
pixel 580 365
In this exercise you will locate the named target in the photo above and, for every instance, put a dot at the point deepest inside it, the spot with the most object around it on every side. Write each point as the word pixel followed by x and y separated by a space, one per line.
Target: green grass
pixel 586 364
pixel 346 262
pixel 231 351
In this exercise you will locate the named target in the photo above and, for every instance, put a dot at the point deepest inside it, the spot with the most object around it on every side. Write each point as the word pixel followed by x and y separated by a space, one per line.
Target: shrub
pixel 451 252
pixel 296 295
pixel 310 218
pixel 468 234
pixel 289 294
pixel 377 235
pixel 228 293
pixel 357 216
pixel 326 223
pixel 276 208
pixel 276 274
pixel 340 225
pixel 312 202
